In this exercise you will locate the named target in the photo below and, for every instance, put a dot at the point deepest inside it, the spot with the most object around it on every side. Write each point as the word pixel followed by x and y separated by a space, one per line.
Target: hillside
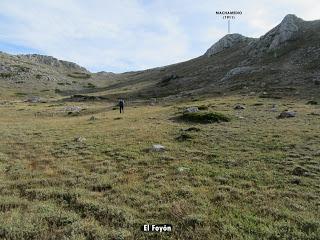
pixel 285 61
pixel 282 62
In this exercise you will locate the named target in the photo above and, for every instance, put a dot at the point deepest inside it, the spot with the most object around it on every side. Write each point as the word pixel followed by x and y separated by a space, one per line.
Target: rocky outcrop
pixel 51 61
pixel 287 30
pixel 226 42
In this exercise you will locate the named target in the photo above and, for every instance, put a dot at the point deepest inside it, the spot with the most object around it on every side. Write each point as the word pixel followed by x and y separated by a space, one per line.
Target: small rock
pixel 157 148
pixel 80 139
pixel 239 107
pixel 274 108
pixel 184 137
pixel 182 169
pixel 222 180
pixel 72 109
pixel 287 114
pixel 195 129
pixel 299 171
pixel 93 118
pixel 33 99
pixel 312 102
pixel 191 110
pixel 295 181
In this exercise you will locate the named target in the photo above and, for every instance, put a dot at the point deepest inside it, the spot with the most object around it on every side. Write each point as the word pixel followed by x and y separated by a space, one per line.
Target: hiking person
pixel 121 105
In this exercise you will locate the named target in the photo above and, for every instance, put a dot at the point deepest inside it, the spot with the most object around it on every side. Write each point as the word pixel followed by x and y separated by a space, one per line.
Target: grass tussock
pixel 80 75
pixel 205 117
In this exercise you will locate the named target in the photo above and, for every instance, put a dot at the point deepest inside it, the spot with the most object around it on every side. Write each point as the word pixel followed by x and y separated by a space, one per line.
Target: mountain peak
pixel 227 41
pixel 286 31
pixel 291 18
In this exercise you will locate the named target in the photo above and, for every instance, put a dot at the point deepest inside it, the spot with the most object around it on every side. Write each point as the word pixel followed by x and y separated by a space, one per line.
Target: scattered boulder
pixel 194 129
pixel 33 99
pixel 299 171
pixel 72 109
pixel 182 169
pixel 80 139
pixel 274 108
pixel 296 181
pixel 191 110
pixel 240 70
pixel 287 114
pixel 312 102
pixel 184 137
pixel 239 107
pixel 157 148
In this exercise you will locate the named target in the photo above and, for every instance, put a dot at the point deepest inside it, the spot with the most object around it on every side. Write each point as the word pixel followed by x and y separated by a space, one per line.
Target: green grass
pixel 251 178
pixel 205 117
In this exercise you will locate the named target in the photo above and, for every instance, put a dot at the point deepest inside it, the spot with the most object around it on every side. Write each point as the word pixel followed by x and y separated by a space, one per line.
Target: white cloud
pixel 135 34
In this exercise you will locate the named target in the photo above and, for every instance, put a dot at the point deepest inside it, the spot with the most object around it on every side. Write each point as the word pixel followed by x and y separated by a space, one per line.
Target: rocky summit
pixel 290 29
pixel 226 42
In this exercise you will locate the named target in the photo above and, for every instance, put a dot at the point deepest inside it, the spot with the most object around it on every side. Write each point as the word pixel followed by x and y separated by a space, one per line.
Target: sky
pixel 128 35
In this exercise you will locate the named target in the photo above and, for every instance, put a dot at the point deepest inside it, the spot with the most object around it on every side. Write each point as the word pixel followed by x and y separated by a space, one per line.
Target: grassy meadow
pixel 254 177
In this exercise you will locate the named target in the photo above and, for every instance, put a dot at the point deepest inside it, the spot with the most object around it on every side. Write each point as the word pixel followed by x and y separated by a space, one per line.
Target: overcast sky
pixel 125 35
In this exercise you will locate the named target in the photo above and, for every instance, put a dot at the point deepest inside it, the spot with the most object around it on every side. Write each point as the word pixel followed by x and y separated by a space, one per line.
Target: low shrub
pixel 205 117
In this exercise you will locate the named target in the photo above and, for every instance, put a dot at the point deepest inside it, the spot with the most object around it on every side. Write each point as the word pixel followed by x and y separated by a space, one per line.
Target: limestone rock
pixel 34 99
pixel 287 30
pixel 80 139
pixel 51 61
pixel 191 110
pixel 287 114
pixel 227 41
pixel 72 109
pixel 238 71
pixel 157 148
pixel 239 107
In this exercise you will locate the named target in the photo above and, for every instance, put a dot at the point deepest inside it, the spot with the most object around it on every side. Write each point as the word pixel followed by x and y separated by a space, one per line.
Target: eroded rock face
pixel 51 61
pixel 191 110
pixel 240 70
pixel 227 41
pixel 287 30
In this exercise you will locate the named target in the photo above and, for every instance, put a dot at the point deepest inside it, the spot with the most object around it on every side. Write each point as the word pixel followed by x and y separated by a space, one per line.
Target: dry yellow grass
pixel 229 180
